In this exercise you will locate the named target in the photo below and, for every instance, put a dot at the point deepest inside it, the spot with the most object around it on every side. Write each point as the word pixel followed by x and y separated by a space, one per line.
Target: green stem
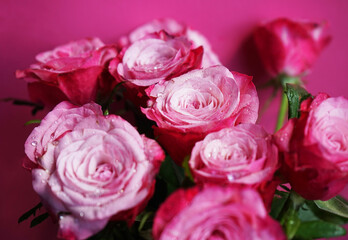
pixel 282 111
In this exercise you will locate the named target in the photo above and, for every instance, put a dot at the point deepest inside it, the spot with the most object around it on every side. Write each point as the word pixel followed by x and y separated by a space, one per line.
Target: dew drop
pixel 34 143
pixel 55 143
pixel 82 214
pixel 230 177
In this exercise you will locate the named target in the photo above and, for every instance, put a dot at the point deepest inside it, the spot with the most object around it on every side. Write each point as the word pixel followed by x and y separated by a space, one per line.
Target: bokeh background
pixel 28 27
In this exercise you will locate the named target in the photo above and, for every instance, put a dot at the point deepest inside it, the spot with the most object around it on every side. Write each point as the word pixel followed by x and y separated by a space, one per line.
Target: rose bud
pixel 244 154
pixel 177 29
pixel 192 105
pixel 91 168
pixel 315 148
pixel 73 72
pixel 151 59
pixel 215 212
pixel 289 47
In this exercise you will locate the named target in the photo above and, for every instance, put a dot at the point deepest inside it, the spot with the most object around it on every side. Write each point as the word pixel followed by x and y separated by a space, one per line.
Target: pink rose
pixel 91 168
pixel 177 29
pixel 315 148
pixel 157 56
pixel 289 47
pixel 192 105
pixel 215 212
pixel 73 72
pixel 244 154
pixel 153 58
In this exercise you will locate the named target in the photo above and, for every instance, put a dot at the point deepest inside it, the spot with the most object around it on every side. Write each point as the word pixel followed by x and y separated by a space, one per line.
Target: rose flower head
pixel 215 212
pixel 74 72
pixel 315 148
pixel 155 57
pixel 188 107
pixel 91 168
pixel 244 154
pixel 175 28
pixel 290 47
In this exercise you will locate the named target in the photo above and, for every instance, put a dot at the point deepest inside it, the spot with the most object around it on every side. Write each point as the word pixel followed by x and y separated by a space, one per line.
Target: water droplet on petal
pixel 34 143
pixel 82 214
pixel 55 143
pixel 230 177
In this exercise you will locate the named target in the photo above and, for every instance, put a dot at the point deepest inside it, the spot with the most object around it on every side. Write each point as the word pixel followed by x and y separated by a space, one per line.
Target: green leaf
pixel 324 215
pixel 186 167
pixel 291 223
pixel 34 121
pixel 278 203
pixel 29 213
pixel 172 174
pixel 295 94
pixel 36 107
pixel 289 218
pixel 306 214
pixel 336 205
pixel 39 219
pixel 319 229
pixel 143 219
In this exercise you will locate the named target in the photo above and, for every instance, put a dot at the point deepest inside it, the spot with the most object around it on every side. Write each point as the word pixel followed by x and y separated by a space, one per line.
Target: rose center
pixel 104 172
pixel 156 56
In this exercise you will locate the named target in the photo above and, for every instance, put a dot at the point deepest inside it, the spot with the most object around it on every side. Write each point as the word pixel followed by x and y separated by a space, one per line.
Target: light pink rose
pixel 189 107
pixel 315 148
pixel 74 72
pixel 175 28
pixel 155 57
pixel 215 212
pixel 92 169
pixel 290 47
pixel 244 154
pixel 151 59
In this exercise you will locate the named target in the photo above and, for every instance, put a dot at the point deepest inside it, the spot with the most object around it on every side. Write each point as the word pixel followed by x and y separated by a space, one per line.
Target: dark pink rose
pixel 244 154
pixel 91 168
pixel 215 212
pixel 177 29
pixel 315 148
pixel 290 47
pixel 74 72
pixel 188 107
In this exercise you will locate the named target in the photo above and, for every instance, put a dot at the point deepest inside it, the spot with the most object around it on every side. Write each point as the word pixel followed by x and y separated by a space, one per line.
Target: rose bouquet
pixel 196 165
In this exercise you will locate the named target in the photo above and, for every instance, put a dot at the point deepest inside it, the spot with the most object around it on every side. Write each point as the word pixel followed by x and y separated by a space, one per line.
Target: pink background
pixel 29 27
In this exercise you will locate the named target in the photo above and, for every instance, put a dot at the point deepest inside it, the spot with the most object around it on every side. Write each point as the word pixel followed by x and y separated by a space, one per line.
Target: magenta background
pixel 29 27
